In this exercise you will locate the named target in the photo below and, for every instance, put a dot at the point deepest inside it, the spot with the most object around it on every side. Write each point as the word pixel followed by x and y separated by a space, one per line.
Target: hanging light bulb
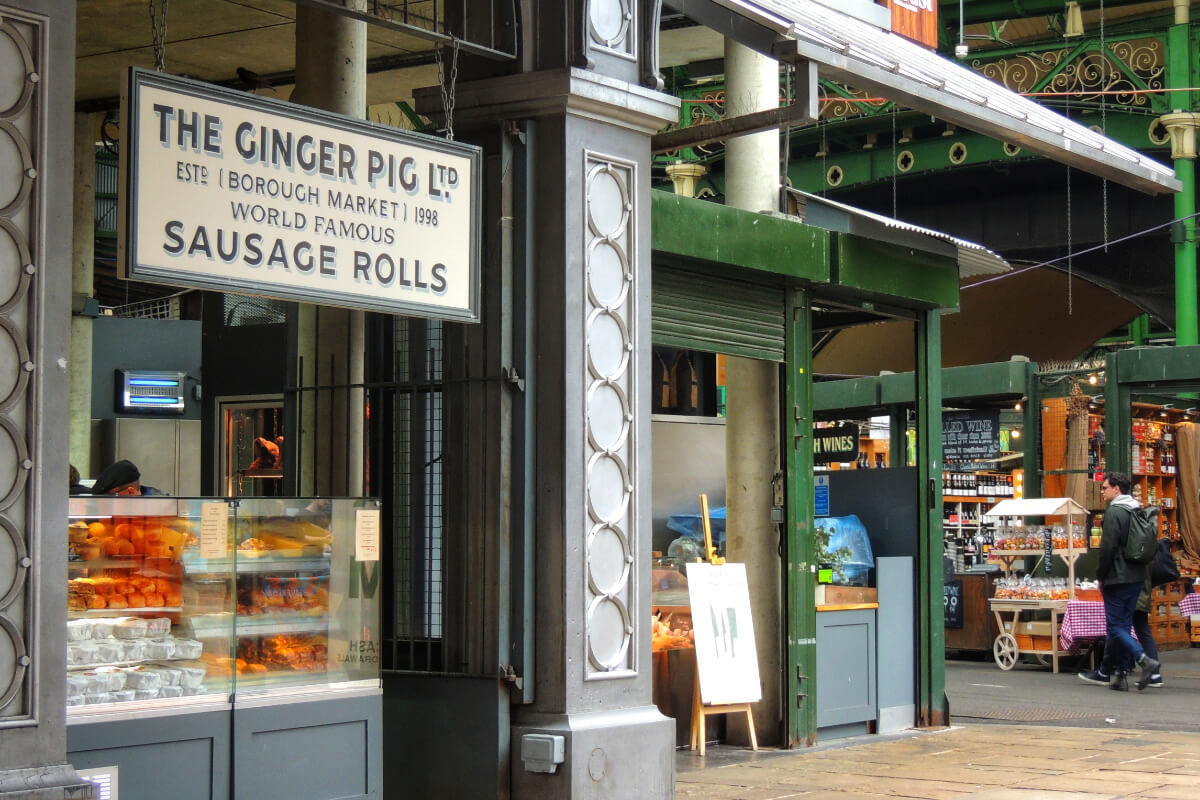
pixel 1074 21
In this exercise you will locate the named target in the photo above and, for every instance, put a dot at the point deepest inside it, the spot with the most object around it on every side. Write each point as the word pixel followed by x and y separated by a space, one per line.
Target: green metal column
pixel 1118 419
pixel 1179 76
pixel 897 436
pixel 1031 415
pixel 931 640
pixel 800 710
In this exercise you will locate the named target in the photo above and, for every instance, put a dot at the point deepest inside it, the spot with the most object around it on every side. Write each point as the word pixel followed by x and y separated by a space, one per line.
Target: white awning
pixel 1036 507
pixel 973 259
pixel 867 57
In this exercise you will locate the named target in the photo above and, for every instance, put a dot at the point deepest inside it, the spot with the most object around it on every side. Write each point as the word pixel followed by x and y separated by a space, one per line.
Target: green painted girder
pixel 711 233
pixel 867 268
pixel 997 379
pixel 1150 366
pixel 933 155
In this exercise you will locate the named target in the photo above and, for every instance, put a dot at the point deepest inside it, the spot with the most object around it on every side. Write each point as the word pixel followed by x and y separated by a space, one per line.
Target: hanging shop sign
pixel 970 435
pixel 836 444
pixel 233 192
pixel 915 20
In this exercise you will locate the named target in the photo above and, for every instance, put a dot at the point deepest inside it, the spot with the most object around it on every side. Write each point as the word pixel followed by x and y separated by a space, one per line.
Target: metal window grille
pixel 237 310
pixel 159 308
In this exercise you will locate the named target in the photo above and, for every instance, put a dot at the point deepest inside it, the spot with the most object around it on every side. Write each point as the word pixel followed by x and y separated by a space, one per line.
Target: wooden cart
pixel 1007 648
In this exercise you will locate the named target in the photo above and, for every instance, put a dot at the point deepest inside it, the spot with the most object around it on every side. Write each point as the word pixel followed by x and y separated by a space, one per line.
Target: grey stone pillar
pixel 590 239
pixel 331 73
pixel 752 401
pixel 83 261
pixel 37 62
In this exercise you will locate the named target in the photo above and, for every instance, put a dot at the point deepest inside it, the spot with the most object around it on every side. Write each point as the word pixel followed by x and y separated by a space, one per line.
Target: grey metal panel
pixel 694 311
pixel 846 671
pixel 434 725
pixel 314 750
pixel 190 754
pixel 154 344
pixel 894 643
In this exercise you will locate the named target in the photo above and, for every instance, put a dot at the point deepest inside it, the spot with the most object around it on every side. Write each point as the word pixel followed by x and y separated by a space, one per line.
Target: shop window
pixel 683 382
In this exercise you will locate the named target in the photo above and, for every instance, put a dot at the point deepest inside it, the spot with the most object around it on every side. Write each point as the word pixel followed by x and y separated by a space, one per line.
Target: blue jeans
pixel 1120 648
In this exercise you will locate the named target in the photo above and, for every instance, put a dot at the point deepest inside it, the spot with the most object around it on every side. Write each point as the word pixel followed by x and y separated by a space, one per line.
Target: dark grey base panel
pixel 313 750
pixel 187 752
pixel 846 678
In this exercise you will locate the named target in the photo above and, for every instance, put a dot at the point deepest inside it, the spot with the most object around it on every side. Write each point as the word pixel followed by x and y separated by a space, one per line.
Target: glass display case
pixel 214 598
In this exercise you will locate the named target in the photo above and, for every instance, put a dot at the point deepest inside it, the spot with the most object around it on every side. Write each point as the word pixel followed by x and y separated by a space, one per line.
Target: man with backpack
pixel 1122 574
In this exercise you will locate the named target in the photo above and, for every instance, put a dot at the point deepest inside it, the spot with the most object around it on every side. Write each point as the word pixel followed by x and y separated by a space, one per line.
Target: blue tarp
pixel 690 525
pixel 848 532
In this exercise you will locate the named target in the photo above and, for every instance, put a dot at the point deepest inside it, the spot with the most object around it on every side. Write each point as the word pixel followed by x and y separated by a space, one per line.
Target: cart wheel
pixel 1006 651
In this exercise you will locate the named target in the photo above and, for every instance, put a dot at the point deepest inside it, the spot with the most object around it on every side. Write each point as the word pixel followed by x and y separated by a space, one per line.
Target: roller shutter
pixel 691 310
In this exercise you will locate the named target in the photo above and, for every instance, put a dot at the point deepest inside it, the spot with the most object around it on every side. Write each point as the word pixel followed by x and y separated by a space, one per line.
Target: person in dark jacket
pixel 123 478
pixel 1120 584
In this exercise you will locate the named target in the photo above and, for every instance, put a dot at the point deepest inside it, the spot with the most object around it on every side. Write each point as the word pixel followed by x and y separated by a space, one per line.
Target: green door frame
pixel 800 660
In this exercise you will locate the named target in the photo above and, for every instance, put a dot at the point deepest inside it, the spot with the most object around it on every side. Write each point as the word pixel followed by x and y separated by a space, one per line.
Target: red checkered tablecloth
pixel 1190 604
pixel 1083 619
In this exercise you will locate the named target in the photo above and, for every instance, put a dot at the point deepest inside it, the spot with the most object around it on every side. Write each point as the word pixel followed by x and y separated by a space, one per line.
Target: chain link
pixel 158 32
pixel 448 86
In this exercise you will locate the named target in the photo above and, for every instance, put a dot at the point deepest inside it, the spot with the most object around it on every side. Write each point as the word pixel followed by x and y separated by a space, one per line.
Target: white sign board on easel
pixel 726 657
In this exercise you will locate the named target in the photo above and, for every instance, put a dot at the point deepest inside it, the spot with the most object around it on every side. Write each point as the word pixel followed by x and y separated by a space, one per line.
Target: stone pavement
pixel 980 761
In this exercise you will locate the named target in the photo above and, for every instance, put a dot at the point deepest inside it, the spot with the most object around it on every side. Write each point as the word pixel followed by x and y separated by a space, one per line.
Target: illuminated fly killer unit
pixel 145 392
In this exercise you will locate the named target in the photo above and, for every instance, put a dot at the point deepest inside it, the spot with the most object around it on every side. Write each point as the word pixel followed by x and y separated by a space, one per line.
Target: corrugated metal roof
pixel 869 57
pixel 973 259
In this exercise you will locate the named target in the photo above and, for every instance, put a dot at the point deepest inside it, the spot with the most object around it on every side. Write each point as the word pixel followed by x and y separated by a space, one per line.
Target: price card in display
pixel 366 534
pixel 214 530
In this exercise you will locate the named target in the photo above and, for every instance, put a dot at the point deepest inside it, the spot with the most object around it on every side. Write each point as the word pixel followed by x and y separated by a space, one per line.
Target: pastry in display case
pixel 174 597
pixel 129 635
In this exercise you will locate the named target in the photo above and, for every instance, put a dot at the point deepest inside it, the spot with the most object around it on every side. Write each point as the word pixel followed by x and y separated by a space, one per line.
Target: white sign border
pixel 129 269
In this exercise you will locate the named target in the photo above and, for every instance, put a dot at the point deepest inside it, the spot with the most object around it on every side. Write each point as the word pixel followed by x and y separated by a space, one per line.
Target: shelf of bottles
pixel 967 535
pixel 1155 469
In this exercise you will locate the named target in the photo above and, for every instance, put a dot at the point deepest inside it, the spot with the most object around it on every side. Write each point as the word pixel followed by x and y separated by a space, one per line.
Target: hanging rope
pixel 449 84
pixel 1070 242
pixel 158 33
pixel 1104 119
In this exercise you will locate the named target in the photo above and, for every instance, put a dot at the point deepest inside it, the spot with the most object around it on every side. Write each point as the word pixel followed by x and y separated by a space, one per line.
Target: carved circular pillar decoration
pixel 14 562
pixel 15 59
pixel 16 168
pixel 13 660
pixel 14 463
pixel 14 359
pixel 609 346
pixel 16 268
pixel 608 22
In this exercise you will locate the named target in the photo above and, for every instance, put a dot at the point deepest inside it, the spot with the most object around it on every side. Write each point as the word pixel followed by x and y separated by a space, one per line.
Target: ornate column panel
pixel 36 142
pixel 610 333
pixel 20 123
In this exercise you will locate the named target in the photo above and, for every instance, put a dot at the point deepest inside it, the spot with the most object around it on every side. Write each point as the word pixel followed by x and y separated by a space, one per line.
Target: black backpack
pixel 1141 542
pixel 1163 569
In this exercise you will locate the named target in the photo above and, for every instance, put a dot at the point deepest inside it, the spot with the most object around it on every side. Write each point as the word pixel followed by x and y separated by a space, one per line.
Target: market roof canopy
pixel 868 57
pixel 1036 507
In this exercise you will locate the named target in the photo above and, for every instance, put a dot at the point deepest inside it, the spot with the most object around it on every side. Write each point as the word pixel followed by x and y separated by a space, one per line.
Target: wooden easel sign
pixel 726 657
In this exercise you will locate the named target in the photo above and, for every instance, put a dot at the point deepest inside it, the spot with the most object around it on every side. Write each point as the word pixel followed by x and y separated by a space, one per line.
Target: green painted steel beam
pixel 975 381
pixel 849 394
pixel 869 268
pixel 932 705
pixel 800 712
pixel 976 11
pixel 935 155
pixel 1157 365
pixel 711 233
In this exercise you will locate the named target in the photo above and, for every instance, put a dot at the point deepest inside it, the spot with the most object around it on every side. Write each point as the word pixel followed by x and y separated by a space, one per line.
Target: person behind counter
pixel 75 486
pixel 122 478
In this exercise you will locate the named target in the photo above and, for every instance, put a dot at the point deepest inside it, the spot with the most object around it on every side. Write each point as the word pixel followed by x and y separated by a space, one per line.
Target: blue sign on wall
pixel 821 488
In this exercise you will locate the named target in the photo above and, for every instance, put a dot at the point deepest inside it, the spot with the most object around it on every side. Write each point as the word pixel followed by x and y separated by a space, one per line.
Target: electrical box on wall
pixel 150 392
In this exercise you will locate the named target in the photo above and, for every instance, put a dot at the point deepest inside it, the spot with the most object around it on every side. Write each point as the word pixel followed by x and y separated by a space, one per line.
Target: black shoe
pixel 1120 683
pixel 1095 676
pixel 1150 668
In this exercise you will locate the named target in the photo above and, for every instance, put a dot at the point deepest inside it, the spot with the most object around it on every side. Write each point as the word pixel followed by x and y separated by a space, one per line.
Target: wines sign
pixel 234 192
pixel 970 435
